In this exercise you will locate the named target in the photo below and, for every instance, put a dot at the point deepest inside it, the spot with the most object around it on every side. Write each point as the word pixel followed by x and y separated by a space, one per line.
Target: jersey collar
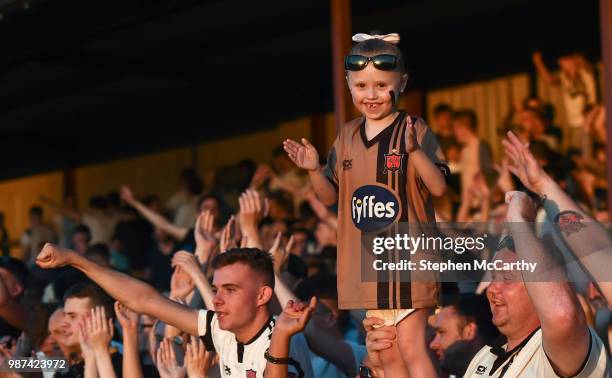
pixel 369 143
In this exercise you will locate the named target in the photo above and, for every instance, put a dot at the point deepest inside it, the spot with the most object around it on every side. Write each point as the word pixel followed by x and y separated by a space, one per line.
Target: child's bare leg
pixel 413 346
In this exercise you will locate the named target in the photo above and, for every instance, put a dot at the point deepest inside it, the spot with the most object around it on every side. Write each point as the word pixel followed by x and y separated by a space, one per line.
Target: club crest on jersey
pixel 251 373
pixel 373 208
pixel 393 162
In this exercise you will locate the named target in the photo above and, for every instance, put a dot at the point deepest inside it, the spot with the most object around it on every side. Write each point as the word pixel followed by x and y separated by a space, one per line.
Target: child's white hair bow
pixel 393 38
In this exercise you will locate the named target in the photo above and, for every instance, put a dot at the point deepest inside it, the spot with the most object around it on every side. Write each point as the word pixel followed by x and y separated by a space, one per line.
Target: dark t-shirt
pixel 135 237
pixel 78 370
pixel 161 268
pixel 8 330
pixel 188 243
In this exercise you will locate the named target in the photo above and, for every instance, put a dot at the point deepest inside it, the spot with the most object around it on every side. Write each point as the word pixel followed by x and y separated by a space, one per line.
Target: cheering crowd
pixel 261 276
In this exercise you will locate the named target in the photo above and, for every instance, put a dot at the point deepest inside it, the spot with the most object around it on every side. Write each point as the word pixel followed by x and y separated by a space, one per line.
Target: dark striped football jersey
pixel 378 185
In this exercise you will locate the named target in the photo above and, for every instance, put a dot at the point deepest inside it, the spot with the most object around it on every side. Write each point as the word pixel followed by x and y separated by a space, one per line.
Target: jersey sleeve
pixel 429 145
pixel 595 363
pixel 207 326
pixel 331 168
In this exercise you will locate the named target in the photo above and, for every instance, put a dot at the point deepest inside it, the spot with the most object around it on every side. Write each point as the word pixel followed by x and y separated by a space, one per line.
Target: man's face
pixel 210 204
pixel 461 130
pixel 57 334
pixel 568 64
pixel 80 241
pixel 35 219
pixel 237 289
pixel 370 89
pixel 300 239
pixel 449 327
pixel 443 122
pixel 324 234
pixel 510 304
pixel 75 309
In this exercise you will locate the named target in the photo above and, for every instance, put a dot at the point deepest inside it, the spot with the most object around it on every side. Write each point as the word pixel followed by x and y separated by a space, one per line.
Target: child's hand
pixel 304 155
pixel 412 144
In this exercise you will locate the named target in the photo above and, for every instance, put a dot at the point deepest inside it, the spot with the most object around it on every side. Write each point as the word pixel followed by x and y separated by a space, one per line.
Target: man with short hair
pixel 537 311
pixel 79 301
pixel 239 329
pixel 442 124
pixel 463 326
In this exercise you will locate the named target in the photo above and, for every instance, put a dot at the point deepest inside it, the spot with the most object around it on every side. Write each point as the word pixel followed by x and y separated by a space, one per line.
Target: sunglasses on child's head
pixel 385 62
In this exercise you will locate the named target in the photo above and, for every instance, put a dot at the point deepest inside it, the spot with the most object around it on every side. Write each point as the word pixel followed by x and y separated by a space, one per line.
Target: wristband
pixel 275 360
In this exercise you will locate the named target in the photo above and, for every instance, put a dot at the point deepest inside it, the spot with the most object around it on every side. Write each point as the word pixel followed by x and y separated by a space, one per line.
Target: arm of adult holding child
pixel 305 155
pixel 384 354
pixel 588 240
pixel 133 293
pixel 423 154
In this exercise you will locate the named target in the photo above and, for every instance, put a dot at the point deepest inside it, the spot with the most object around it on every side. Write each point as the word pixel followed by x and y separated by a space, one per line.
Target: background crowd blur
pixel 563 120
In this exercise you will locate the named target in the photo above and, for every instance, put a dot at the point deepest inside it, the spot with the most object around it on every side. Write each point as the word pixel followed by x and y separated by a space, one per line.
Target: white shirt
pixel 577 94
pixel 247 360
pixel 531 361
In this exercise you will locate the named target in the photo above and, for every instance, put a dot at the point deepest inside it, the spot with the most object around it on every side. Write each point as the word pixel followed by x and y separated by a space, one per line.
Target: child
pixel 385 155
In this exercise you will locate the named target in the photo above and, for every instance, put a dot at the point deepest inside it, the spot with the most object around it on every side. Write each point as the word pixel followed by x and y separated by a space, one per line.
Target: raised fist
pixel 52 256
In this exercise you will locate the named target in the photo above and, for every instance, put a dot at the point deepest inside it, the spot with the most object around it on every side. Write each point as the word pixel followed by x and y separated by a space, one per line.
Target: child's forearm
pixel 322 187
pixel 430 174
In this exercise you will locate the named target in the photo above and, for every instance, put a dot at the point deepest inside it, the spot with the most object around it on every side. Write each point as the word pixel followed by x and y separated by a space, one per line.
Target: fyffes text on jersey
pixel 373 208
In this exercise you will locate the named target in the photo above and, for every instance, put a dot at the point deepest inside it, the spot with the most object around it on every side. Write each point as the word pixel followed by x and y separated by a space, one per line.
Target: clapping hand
pixel 304 154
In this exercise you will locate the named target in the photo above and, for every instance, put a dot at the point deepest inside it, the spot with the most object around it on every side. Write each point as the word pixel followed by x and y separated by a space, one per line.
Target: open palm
pixel 304 154
pixel 523 164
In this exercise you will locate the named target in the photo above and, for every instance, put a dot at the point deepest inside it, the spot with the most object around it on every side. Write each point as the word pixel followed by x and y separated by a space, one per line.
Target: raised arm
pixel 564 331
pixel 134 293
pixel 100 332
pixel 319 340
pixel 190 265
pixel 305 155
pixel 252 209
pixel 588 240
pixel 156 219
pixel 431 175
pixel 292 320
pixel 129 327
pixel 538 62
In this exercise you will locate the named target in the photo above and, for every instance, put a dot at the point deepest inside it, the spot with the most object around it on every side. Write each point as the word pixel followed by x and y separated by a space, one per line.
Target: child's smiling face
pixel 370 89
